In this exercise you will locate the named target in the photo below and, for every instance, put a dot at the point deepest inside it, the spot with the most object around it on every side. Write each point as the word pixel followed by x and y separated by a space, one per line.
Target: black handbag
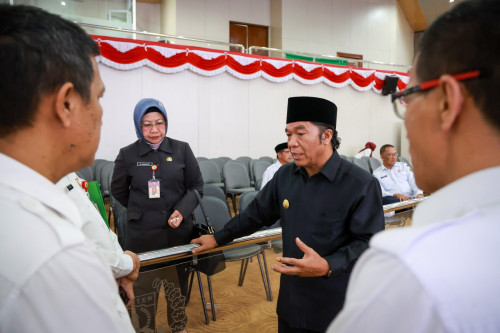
pixel 213 262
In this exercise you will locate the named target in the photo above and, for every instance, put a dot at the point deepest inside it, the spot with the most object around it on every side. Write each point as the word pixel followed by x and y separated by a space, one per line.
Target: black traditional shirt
pixel 335 212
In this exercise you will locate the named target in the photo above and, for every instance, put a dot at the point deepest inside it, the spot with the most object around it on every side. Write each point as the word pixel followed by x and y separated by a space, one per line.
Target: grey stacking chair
pixel 374 163
pixel 86 173
pixel 236 180
pixel 216 211
pixel 215 191
pixel 267 159
pixel 258 171
pixel 245 199
pixel 363 164
pixel 210 173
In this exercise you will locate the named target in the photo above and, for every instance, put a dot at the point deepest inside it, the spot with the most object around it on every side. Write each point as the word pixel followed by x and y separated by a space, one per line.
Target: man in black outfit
pixel 323 201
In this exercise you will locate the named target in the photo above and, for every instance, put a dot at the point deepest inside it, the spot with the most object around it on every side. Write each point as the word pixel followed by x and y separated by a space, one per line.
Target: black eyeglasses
pixel 398 99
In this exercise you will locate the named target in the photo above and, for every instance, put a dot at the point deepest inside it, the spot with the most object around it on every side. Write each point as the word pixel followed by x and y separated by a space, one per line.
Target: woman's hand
pixel 175 219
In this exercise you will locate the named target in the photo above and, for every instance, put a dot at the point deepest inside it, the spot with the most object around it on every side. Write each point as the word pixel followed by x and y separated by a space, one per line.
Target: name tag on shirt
pixel 383 176
pixel 148 164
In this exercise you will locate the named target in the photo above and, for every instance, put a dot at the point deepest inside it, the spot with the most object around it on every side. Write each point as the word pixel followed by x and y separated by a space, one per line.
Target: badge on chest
pixel 154 185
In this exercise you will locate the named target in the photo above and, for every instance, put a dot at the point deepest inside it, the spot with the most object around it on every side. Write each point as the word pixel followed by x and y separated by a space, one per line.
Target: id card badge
pixel 154 188
pixel 154 185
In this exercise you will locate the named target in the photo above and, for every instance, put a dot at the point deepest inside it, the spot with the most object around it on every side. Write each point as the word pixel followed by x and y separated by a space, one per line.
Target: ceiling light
pixel 63 3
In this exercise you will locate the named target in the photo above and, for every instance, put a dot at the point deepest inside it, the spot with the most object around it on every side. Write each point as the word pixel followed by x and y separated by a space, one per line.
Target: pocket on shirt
pixel 328 226
pixel 134 216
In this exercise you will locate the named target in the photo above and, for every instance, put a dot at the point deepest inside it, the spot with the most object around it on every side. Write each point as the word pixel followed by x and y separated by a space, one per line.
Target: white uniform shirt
pixel 441 274
pixel 399 179
pixel 269 173
pixel 51 278
pixel 95 228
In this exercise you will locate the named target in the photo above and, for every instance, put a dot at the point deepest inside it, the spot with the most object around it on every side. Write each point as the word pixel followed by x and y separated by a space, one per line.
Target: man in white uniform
pixel 442 273
pixel 51 277
pixel 124 265
pixel 283 156
pixel 396 178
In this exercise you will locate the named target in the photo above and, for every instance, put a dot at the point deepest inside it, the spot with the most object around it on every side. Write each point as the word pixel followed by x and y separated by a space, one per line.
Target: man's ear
pixel 66 103
pixel 327 136
pixel 451 102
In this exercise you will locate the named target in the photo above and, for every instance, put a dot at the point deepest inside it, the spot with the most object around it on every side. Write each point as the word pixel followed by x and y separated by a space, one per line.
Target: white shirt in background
pixel 96 229
pixel 269 173
pixel 399 179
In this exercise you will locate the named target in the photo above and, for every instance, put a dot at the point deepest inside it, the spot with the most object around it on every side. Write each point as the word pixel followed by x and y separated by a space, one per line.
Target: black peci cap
pixel 281 146
pixel 312 109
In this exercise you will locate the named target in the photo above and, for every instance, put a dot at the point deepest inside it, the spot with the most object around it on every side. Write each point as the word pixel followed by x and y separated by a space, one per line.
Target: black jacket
pixel 335 212
pixel 178 172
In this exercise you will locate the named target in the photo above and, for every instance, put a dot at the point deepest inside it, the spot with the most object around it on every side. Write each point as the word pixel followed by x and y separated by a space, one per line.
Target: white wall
pixel 377 29
pixel 227 116
pixel 223 115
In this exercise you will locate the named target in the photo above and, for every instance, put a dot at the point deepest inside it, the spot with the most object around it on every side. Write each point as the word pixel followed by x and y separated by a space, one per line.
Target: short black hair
pixel 39 52
pixel 464 39
pixel 384 147
pixel 322 128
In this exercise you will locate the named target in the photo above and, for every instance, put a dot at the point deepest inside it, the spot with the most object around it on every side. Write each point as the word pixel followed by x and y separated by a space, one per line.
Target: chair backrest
pixel 267 159
pixel 215 209
pixel 86 173
pixel 374 163
pixel 214 191
pixel 363 164
pixel 105 178
pixel 201 158
pixel 97 166
pixel 210 172
pixel 235 175
pixel 258 171
pixel 246 198
pixel 120 219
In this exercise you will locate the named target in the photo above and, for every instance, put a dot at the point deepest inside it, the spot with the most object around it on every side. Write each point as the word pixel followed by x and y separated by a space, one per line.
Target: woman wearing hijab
pixel 154 178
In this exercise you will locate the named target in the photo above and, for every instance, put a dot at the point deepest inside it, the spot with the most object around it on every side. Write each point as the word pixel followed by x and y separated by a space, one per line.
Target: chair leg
pixel 270 294
pixel 207 321
pixel 263 277
pixel 190 287
pixel 243 271
pixel 210 293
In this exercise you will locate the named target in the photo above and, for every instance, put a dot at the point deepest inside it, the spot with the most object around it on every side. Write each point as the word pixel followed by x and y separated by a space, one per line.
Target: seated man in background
pixel 124 265
pixel 283 155
pixel 396 178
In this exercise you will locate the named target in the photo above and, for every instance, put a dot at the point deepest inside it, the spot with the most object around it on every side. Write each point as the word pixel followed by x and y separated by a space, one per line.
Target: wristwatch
pixel 329 274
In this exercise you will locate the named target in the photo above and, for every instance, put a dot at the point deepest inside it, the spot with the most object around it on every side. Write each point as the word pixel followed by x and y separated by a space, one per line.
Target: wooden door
pixel 249 35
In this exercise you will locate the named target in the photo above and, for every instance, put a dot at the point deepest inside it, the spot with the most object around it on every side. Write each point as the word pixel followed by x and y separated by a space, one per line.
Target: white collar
pixel 32 184
pixel 474 191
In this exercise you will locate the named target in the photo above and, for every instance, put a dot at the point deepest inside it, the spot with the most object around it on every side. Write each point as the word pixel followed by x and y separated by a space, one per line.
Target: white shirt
pixel 96 230
pixel 399 179
pixel 51 279
pixel 441 274
pixel 269 173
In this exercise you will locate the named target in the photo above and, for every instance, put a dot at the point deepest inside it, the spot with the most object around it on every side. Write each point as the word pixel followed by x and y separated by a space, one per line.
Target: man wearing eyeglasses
pixel 396 178
pixel 441 274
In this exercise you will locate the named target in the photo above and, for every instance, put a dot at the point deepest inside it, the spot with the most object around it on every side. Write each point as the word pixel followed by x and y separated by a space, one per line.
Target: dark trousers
pixel 284 327
pixel 389 200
